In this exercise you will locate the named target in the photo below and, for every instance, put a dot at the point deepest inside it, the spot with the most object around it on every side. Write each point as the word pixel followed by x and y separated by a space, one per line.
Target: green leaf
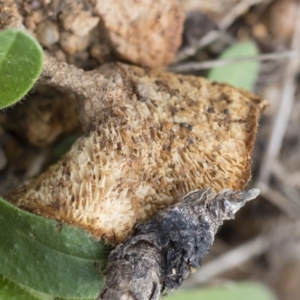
pixel 48 257
pixel 65 145
pixel 238 74
pixel 21 61
pixel 244 291
pixel 9 290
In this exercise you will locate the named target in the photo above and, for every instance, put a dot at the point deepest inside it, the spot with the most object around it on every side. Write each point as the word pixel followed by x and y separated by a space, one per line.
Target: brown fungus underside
pixel 150 138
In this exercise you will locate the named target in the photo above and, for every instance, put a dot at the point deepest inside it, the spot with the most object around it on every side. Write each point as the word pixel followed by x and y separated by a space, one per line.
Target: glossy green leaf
pixel 48 257
pixel 244 291
pixel 239 74
pixel 21 61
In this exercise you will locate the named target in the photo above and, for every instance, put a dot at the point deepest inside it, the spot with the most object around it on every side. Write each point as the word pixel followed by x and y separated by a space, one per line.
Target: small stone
pixel 81 24
pixel 72 43
pixel 145 32
pixel 47 33
pixel 60 55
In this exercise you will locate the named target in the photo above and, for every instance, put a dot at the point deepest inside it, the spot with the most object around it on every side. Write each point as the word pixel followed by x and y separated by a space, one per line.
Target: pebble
pixel 47 33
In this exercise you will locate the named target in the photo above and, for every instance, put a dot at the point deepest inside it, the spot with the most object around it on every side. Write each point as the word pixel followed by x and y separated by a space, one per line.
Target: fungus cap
pixel 151 137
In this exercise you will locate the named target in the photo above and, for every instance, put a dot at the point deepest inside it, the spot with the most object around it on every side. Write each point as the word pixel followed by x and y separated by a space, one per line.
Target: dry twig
pixel 275 239
pixel 159 256
pixel 224 23
pixel 196 66
pixel 284 109
pixel 230 260
pixel 278 199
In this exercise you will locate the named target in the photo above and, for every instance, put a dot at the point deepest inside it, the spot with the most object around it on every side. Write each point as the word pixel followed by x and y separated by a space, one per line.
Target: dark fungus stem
pixel 163 250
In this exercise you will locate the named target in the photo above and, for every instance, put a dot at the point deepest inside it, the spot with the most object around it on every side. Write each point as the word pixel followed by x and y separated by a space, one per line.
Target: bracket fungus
pixel 150 138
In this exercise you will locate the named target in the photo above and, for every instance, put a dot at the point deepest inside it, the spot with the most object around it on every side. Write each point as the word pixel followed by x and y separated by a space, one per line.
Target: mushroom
pixel 150 138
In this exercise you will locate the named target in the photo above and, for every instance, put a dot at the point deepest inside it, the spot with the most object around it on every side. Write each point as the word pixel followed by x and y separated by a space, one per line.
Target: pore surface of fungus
pixel 150 138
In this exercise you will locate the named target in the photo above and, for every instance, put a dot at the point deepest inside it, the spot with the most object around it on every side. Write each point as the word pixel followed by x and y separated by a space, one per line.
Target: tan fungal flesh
pixel 152 138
